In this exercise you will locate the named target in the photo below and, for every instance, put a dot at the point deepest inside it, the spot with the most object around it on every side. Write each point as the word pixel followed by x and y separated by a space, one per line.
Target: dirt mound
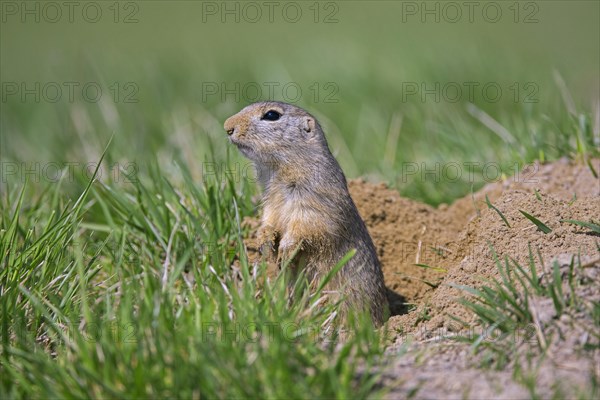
pixel 454 241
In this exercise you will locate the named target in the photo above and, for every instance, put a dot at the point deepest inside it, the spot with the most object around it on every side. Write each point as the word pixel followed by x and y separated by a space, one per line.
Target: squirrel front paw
pixel 267 242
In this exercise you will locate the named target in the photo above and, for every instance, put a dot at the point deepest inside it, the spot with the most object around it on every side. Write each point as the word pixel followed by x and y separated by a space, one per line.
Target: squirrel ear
pixel 309 126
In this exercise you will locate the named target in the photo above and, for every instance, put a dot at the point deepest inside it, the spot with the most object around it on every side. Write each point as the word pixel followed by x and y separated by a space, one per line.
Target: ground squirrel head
pixel 272 131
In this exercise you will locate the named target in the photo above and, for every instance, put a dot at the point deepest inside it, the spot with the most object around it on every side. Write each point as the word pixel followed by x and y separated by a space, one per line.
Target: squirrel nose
pixel 229 126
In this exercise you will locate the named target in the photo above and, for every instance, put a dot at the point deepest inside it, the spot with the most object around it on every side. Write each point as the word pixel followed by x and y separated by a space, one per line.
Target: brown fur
pixel 306 204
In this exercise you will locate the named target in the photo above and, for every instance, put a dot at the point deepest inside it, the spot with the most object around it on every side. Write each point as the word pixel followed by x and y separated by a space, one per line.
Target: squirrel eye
pixel 271 115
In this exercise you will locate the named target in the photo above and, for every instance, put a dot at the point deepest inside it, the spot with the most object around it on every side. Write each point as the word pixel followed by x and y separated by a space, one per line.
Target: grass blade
pixel 438 269
pixel 590 225
pixel 541 226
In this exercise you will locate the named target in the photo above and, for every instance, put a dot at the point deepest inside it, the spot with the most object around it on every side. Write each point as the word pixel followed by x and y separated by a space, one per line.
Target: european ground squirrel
pixel 306 203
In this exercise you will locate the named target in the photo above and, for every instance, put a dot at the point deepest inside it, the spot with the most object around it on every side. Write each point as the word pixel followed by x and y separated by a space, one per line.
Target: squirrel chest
pixel 294 213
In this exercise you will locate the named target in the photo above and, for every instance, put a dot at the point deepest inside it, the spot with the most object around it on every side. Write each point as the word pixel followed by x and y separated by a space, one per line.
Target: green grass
pixel 137 285
pixel 103 310
pixel 506 308
pixel 490 205
pixel 540 225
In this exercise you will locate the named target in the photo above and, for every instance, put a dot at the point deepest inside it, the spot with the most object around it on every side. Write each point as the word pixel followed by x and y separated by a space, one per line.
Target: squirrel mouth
pixel 237 143
pixel 243 148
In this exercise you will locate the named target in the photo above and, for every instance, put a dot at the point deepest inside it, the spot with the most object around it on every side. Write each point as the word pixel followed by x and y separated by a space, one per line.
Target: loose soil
pixel 455 242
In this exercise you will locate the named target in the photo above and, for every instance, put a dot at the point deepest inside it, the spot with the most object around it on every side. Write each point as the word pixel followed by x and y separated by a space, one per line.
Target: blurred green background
pixel 363 67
